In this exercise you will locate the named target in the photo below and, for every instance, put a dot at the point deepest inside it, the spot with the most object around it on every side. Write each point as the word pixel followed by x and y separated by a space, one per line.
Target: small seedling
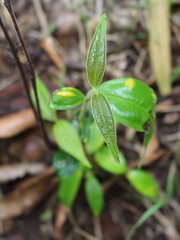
pixel 124 100
pixel 83 136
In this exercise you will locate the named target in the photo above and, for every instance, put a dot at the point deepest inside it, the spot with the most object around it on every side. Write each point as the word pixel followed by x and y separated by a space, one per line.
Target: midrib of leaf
pixel 104 121
pixel 96 59
pixel 110 139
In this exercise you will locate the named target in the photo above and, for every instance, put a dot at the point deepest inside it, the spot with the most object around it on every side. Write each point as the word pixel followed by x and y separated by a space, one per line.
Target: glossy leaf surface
pixel 47 113
pixel 66 98
pixel 132 102
pixel 69 187
pixel 94 194
pixel 68 139
pixel 65 164
pixel 143 182
pixel 105 160
pixel 96 59
pixel 95 140
pixel 105 122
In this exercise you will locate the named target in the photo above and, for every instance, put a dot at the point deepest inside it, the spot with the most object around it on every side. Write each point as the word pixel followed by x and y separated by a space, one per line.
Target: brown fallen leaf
pixel 151 148
pixel 16 123
pixel 27 194
pixel 34 147
pixel 14 171
pixel 152 154
pixel 13 97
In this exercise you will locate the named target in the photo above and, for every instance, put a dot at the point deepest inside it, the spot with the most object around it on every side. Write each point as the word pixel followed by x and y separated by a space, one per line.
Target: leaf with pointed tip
pixel 94 194
pixel 105 122
pixel 66 98
pixel 68 139
pixel 96 59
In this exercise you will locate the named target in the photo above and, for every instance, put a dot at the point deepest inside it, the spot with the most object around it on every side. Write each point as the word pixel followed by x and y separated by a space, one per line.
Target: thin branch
pixel 20 67
pixel 8 5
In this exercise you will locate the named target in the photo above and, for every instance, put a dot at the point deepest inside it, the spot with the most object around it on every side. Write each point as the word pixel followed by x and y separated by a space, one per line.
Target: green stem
pixel 84 106
pixel 83 110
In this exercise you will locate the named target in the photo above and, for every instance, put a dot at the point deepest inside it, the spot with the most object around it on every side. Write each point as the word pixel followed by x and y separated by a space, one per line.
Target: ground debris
pixel 27 194
pixel 13 171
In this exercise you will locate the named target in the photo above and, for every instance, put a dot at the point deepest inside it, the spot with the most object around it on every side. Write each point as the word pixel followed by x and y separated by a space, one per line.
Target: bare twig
pixel 8 5
pixel 21 70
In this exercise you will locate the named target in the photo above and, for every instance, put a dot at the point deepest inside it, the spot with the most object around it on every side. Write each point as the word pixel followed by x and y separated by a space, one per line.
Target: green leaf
pixel 132 102
pixel 94 194
pixel 68 139
pixel 95 140
pixel 65 164
pixel 105 160
pixel 69 187
pixel 43 95
pixel 66 98
pixel 143 182
pixel 96 59
pixel 105 122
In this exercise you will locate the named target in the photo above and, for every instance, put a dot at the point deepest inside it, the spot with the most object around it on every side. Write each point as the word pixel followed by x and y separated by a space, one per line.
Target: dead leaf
pixel 27 194
pixel 13 97
pixel 152 154
pixel 16 123
pixel 152 148
pixel 14 171
pixel 34 147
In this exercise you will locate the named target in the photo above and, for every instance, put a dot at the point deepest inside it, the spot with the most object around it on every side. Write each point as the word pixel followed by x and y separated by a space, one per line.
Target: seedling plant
pixel 88 137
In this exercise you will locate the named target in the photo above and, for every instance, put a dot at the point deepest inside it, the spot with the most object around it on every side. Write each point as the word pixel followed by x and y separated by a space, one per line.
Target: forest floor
pixel 57 38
